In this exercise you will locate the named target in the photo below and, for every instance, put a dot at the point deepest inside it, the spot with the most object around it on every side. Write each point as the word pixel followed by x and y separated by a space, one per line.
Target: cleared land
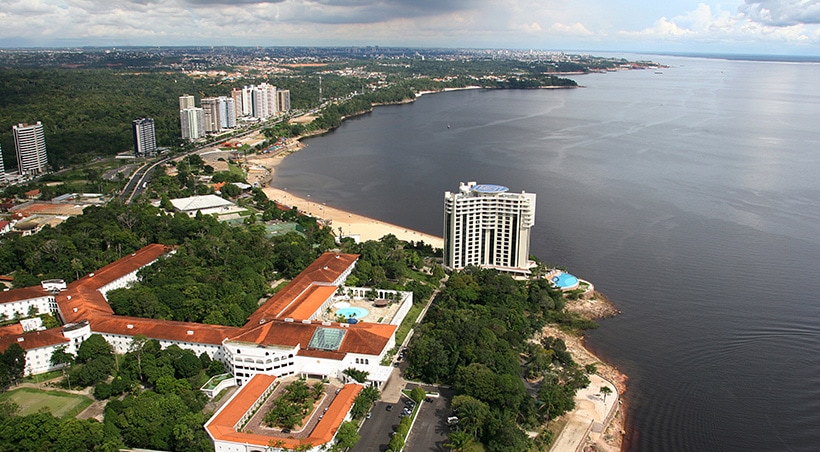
pixel 61 404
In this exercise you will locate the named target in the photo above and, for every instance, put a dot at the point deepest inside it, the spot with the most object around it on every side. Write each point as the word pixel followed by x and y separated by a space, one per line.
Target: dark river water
pixel 691 198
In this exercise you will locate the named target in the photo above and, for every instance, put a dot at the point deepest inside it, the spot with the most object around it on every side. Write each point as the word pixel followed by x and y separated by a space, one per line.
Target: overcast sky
pixel 733 26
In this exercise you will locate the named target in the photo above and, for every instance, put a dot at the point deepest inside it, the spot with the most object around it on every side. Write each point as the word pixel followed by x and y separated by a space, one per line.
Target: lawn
pixel 61 404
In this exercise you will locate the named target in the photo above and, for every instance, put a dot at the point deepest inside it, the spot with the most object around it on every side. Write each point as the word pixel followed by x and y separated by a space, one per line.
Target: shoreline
pixel 610 438
pixel 579 431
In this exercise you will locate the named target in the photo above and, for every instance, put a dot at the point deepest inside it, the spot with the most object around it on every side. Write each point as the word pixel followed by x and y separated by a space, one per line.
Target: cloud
pixel 703 25
pixel 780 13
pixel 575 29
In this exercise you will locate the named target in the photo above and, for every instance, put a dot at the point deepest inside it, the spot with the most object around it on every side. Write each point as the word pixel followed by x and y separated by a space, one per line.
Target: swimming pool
pixel 565 281
pixel 354 312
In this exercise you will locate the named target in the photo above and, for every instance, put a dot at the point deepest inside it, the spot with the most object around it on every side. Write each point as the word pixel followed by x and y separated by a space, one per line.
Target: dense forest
pixel 478 337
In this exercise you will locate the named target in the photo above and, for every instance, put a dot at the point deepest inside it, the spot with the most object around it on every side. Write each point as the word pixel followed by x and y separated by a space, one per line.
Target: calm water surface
pixel 691 198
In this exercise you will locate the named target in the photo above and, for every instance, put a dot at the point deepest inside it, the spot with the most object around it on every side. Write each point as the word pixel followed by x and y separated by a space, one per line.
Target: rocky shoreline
pixel 596 306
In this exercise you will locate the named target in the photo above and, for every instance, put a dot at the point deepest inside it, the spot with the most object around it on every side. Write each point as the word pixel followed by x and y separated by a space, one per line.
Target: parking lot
pixel 377 431
pixel 429 432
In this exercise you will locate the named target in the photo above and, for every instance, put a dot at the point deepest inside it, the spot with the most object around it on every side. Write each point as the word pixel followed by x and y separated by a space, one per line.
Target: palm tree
pixel 458 441
pixel 605 391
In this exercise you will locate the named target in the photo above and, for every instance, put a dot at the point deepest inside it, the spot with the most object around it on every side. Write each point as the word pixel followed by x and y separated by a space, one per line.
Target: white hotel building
pixel 487 226
pixel 283 337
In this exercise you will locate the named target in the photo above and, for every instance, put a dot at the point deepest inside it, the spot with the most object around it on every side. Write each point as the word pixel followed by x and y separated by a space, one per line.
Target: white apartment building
pixel 210 107
pixel 192 123
pixel 263 101
pixel 30 142
pixel 3 179
pixel 145 140
pixel 486 226
pixel 219 113
pixel 227 112
pixel 186 101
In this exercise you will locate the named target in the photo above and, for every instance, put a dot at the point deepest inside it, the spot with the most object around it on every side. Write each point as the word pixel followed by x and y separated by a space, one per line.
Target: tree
pixel 136 350
pixel 62 359
pixel 187 365
pixel 605 391
pixel 359 375
pixel 472 414
pixel 95 347
pixel 12 365
pixel 458 441
pixel 418 394
pixel 346 437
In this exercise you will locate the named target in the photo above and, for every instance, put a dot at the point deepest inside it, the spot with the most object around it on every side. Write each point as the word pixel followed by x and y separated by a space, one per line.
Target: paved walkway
pixel 589 418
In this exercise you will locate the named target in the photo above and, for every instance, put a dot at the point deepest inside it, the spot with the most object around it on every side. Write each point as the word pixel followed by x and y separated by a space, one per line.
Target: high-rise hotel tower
pixel 486 226
pixel 31 149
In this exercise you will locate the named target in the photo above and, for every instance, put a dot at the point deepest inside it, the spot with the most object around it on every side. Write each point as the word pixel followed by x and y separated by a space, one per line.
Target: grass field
pixel 61 404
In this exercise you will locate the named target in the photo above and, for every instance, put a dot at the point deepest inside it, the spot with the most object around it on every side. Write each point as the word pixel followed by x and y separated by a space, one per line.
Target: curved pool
pixel 565 281
pixel 353 312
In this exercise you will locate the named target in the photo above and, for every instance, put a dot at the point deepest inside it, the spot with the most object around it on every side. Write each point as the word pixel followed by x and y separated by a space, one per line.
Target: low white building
pixel 205 204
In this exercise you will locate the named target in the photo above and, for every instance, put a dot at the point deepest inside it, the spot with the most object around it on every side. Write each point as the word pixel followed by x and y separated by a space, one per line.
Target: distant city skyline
pixel 771 27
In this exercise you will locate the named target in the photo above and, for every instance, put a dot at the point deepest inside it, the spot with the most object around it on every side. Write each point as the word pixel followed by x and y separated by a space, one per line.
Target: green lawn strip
pixel 61 404
pixel 43 377
pixel 407 324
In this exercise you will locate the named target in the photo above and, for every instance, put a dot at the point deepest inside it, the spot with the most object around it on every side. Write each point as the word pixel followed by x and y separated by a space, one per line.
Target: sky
pixel 772 27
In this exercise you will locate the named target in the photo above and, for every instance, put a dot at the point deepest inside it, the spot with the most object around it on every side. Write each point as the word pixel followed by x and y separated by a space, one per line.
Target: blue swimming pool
pixel 354 312
pixel 565 281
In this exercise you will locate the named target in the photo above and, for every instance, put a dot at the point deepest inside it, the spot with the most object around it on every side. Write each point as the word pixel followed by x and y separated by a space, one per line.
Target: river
pixel 689 197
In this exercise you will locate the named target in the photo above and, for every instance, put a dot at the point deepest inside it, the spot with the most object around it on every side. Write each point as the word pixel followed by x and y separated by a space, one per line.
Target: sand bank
pixel 351 224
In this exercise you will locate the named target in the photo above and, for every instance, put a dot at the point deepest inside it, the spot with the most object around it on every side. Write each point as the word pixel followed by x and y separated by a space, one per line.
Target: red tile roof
pixel 305 305
pixel 82 299
pixel 323 271
pixel 365 338
pixel 34 339
pixel 23 293
pixel 199 333
pixel 78 304
pixel 299 299
pixel 122 267
pixel 221 427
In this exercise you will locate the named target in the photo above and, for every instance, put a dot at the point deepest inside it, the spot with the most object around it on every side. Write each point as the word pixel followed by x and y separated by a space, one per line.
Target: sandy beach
pixel 350 223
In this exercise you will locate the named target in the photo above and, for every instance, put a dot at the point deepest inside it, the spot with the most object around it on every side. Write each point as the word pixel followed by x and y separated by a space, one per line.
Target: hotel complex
pixel 287 336
pixel 486 226
pixel 31 149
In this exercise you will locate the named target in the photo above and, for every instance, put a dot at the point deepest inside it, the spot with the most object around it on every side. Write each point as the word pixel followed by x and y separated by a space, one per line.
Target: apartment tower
pixel 487 226
pixel 145 141
pixel 3 179
pixel 31 149
pixel 186 101
pixel 192 122
pixel 283 100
